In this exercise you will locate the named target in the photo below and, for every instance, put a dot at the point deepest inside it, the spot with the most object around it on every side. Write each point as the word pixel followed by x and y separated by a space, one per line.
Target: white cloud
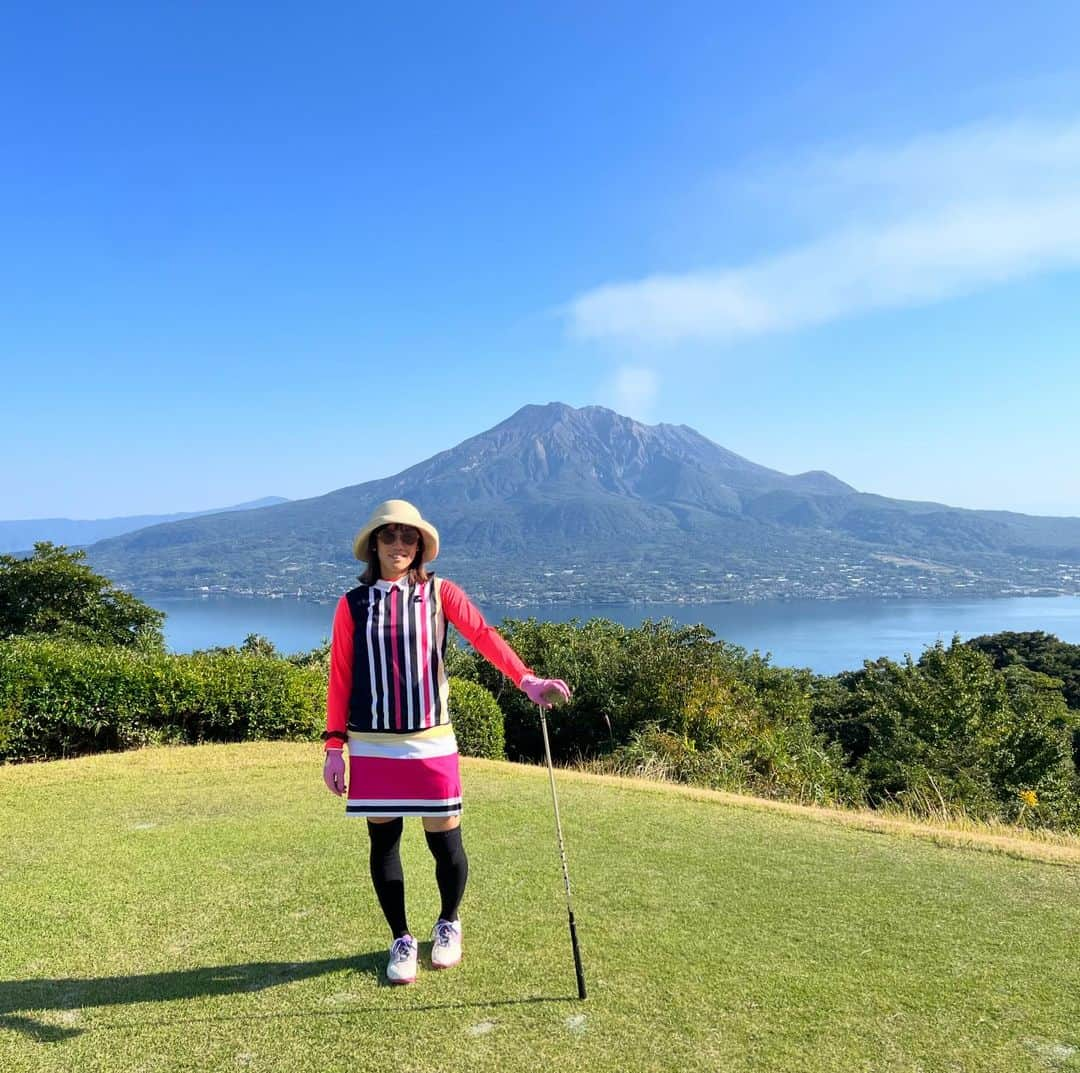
pixel 944 215
pixel 635 391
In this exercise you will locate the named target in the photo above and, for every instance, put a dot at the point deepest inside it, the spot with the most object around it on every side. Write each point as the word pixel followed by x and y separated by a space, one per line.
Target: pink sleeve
pixel 464 614
pixel 339 688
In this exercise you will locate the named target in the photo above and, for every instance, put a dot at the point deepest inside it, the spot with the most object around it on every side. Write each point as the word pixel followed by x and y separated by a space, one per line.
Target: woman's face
pixel 397 546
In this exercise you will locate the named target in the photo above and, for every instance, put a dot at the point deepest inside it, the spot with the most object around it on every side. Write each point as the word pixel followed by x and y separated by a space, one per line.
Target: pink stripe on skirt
pixel 417 786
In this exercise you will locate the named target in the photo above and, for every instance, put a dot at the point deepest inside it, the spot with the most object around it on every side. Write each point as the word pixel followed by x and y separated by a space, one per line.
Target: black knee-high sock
pixel 451 868
pixel 387 875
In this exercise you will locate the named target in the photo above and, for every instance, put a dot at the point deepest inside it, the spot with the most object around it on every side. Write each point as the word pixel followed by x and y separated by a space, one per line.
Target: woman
pixel 388 703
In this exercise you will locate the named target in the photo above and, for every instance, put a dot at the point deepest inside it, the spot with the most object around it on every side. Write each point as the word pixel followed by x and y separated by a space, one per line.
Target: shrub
pixel 774 763
pixel 461 662
pixel 647 695
pixel 477 719
pixel 597 661
pixel 66 699
pixel 653 753
pixel 1045 654
pixel 317 658
pixel 1037 651
pixel 950 733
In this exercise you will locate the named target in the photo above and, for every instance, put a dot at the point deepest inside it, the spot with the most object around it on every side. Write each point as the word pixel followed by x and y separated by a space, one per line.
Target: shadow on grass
pixel 18 998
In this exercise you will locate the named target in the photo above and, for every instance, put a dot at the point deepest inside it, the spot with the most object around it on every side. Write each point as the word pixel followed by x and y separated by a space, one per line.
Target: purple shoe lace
pixel 444 932
pixel 402 948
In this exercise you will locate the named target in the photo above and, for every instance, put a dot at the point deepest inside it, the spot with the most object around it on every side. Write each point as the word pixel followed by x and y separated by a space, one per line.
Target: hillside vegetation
pixel 986 730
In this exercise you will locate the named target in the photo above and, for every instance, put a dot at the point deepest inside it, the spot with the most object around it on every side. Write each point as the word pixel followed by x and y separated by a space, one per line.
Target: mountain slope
pixel 23 534
pixel 562 503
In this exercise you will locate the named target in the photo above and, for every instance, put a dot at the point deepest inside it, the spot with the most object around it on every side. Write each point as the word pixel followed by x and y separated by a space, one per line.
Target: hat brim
pixel 431 538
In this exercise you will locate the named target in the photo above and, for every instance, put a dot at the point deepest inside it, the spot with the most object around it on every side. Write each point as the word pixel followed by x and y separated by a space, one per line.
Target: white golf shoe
pixel 401 968
pixel 445 944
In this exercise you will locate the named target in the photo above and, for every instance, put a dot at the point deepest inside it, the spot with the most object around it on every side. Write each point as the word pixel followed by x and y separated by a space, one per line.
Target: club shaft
pixel 579 971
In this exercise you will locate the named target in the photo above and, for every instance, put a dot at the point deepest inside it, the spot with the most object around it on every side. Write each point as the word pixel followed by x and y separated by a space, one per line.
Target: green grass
pixel 210 909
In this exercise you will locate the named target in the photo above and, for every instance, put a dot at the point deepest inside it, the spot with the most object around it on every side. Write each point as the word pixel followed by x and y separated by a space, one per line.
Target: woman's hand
pixel 333 772
pixel 547 692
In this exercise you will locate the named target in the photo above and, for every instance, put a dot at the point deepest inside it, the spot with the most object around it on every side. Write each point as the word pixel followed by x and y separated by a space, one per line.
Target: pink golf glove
pixel 546 692
pixel 333 772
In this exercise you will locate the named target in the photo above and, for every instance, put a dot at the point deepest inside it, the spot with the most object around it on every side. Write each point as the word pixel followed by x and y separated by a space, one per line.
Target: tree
pixel 255 644
pixel 1043 653
pixel 54 592
pixel 1037 651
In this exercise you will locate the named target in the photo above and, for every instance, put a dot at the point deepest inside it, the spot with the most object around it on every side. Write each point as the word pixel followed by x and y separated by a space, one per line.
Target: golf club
pixel 562 856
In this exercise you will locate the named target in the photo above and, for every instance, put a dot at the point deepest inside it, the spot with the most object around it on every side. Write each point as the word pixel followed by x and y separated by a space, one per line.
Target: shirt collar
pixel 386 586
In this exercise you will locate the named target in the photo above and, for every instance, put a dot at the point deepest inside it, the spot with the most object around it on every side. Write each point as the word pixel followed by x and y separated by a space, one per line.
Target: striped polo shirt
pixel 388 657
pixel 399 679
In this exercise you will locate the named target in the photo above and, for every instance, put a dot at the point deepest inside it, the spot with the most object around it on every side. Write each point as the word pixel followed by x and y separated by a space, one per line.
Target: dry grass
pixel 1048 847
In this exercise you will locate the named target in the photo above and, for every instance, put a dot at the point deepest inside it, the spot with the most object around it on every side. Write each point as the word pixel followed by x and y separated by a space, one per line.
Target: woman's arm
pixel 466 616
pixel 339 687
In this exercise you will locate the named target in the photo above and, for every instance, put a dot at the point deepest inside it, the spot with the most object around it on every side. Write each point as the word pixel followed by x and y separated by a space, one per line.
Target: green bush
pixel 317 658
pixel 642 694
pixel 1037 651
pixel 460 662
pixel 1045 654
pixel 775 763
pixel 594 658
pixel 66 699
pixel 477 719
pixel 951 733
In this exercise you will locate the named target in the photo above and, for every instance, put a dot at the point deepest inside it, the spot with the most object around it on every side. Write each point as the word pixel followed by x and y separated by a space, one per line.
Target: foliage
pixel 477 719
pixel 62 698
pixel 982 727
pixel 950 731
pixel 588 656
pixel 746 723
pixel 1037 651
pixel 317 658
pixel 947 733
pixel 461 662
pixel 255 644
pixel 54 593
pixel 1043 653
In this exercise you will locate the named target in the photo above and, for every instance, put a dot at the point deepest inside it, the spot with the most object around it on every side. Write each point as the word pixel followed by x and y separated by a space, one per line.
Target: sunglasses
pixel 409 536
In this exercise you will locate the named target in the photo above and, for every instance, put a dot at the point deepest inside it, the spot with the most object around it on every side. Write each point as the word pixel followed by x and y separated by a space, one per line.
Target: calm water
pixel 825 635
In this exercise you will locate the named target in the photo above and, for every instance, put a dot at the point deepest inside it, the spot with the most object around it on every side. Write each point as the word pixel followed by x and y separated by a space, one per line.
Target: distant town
pixel 517 584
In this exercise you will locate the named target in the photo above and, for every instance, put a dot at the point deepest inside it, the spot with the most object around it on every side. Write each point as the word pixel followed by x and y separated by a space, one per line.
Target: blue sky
pixel 277 249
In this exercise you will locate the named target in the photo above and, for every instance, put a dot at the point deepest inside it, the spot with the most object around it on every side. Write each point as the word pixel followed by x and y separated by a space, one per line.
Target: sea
pixel 827 636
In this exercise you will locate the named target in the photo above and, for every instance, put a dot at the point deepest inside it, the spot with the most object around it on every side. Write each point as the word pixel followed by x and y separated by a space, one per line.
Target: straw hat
pixel 400 512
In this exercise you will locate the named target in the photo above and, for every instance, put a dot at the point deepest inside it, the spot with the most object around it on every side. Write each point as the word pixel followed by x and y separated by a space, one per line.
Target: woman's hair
pixel 372 572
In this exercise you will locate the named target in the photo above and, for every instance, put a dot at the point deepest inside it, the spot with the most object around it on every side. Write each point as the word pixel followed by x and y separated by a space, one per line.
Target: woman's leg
pixel 443 834
pixel 386 872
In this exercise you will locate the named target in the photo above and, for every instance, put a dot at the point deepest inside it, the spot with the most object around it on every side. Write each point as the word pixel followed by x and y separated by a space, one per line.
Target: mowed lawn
pixel 210 909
